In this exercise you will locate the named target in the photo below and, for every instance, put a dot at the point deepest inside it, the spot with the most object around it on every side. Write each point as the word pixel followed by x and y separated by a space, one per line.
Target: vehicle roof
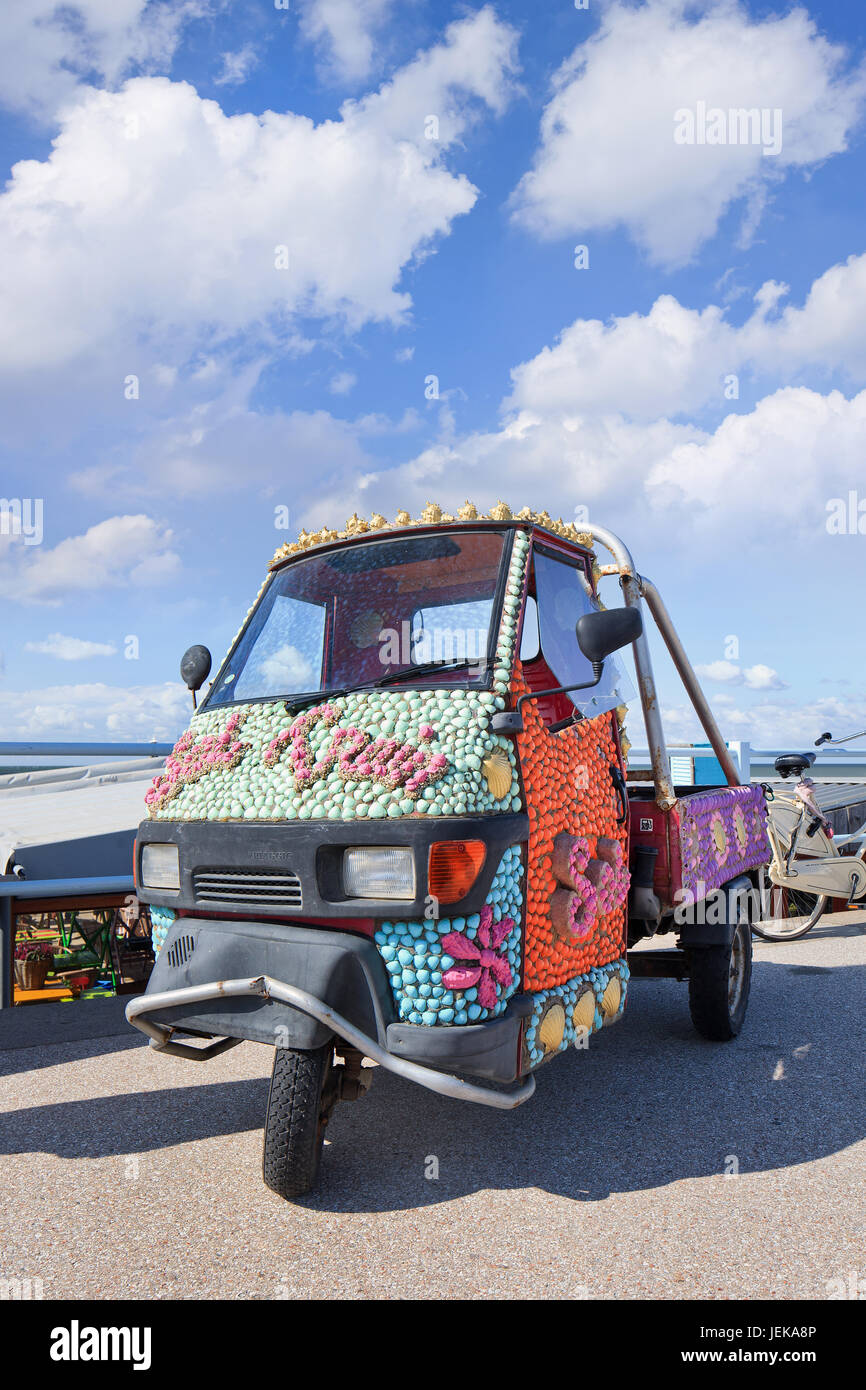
pixel 359 529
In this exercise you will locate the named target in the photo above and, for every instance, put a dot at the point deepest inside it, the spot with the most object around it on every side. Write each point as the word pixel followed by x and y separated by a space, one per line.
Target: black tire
pixel 719 981
pixel 296 1119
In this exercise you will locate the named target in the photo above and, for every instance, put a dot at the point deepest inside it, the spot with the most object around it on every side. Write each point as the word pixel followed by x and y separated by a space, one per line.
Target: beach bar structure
pixel 66 833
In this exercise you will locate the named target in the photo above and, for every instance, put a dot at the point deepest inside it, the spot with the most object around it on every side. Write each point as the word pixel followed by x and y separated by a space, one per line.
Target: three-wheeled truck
pixel 400 826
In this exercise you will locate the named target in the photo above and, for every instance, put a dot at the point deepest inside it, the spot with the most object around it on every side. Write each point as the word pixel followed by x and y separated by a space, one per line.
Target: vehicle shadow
pixel 648 1103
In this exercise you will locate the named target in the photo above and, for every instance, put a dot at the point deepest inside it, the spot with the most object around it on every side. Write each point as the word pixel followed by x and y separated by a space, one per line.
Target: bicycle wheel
pixel 786 913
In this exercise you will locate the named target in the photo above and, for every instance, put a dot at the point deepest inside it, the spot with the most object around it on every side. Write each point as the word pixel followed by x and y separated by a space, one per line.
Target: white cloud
pixel 674 359
pixel 48 50
pixel 114 553
pixel 758 677
pixel 343 383
pixel 762 677
pixel 102 711
pixel 773 725
pixel 195 453
pixel 157 215
pixel 607 155
pixel 69 648
pixel 726 671
pixel 237 66
pixel 777 465
pixel 346 31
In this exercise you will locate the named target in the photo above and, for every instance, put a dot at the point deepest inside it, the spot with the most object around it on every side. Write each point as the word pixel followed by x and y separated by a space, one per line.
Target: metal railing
pixel 85 750
pixel 746 758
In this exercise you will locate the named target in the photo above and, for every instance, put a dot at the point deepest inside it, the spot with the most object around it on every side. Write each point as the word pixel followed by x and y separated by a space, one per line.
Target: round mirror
pixel 195 667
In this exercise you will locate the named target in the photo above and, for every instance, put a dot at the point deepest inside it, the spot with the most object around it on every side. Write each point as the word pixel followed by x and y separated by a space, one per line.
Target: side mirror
pixel 195 668
pixel 599 634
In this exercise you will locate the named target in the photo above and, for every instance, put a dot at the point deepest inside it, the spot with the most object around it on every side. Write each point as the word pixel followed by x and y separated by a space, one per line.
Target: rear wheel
pixel 298 1108
pixel 719 981
pixel 786 913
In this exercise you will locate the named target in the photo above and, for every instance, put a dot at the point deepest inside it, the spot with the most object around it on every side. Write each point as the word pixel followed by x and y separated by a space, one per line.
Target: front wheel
pixel 786 913
pixel 296 1118
pixel 720 978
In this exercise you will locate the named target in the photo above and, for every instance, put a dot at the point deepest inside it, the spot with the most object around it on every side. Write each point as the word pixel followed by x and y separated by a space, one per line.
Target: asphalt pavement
pixel 653 1165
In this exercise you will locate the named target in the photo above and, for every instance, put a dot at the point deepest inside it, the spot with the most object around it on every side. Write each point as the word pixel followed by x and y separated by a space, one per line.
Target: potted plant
pixel 33 960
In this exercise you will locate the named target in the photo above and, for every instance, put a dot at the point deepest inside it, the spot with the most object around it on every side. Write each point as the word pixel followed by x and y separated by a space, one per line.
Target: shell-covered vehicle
pixel 400 828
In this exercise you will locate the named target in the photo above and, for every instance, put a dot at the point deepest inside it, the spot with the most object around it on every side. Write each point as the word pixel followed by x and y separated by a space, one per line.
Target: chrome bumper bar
pixel 138 1009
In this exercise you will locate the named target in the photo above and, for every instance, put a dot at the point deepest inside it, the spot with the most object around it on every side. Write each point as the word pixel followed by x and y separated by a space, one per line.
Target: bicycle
pixel 807 868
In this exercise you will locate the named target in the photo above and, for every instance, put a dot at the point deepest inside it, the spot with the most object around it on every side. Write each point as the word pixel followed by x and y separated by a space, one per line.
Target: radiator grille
pixel 257 887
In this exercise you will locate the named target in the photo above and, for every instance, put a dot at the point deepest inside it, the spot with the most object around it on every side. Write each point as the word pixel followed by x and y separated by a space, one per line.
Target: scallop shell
pixel 583 1013
pixel 610 1000
pixel 497 771
pixel 740 828
pixel 552 1029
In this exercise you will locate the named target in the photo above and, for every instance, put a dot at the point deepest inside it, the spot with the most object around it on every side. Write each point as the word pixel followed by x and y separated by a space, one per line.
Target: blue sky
pixel 158 156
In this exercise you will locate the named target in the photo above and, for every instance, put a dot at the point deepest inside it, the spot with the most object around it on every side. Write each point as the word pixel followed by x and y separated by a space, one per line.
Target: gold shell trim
pixel 583 1013
pixel 740 828
pixel 552 1029
pixel 432 515
pixel 497 771
pixel 610 1000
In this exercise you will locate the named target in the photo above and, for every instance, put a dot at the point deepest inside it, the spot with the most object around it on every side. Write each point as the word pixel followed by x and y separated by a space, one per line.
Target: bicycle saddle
pixel 793 764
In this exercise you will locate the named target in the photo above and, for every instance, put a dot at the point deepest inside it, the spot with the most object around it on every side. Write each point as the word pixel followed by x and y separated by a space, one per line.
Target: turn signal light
pixel 454 867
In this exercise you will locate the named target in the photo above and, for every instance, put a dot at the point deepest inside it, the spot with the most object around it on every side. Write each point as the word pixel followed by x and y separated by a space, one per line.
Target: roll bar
pixel 635 587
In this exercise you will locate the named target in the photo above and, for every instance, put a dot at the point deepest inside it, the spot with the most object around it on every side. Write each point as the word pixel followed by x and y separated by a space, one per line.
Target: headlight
pixel 160 867
pixel 379 873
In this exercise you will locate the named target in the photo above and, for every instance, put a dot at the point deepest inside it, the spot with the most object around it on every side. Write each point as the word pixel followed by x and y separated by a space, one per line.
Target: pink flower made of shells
pixel 487 969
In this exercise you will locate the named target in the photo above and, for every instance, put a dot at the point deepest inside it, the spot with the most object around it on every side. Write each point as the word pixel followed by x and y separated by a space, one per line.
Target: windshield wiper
pixel 429 667
pixel 299 702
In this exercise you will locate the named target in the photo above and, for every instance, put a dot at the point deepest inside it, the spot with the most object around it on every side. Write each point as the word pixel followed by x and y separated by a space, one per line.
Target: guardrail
pixel 745 756
pixel 85 750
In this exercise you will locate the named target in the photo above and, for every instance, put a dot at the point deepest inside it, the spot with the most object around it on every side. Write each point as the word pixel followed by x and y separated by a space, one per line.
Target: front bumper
pixel 227 979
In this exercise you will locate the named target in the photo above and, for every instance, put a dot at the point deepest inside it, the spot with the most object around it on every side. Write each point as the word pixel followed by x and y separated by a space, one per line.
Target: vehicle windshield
pixel 371 611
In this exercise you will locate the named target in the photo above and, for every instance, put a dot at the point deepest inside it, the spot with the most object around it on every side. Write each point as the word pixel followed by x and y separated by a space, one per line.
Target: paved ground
pixel 130 1174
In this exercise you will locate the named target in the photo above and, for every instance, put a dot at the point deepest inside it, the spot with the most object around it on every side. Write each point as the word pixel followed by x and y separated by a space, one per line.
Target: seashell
pixel 468 512
pixel 497 772
pixel 610 1000
pixel 608 850
pixel 740 828
pixel 552 1028
pixel 403 518
pixel 583 1013
pixel 501 512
